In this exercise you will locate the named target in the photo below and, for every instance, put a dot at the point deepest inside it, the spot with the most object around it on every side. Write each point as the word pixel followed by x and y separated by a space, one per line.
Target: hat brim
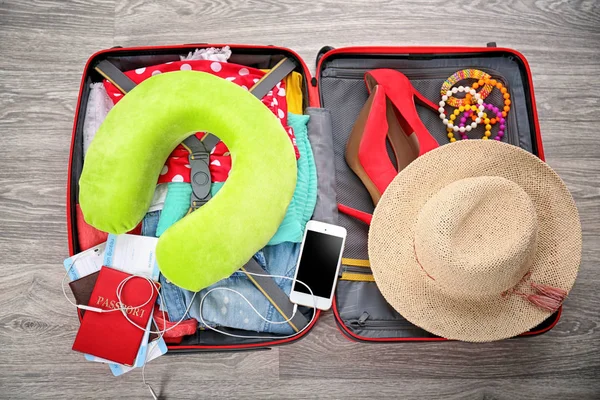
pixel 418 298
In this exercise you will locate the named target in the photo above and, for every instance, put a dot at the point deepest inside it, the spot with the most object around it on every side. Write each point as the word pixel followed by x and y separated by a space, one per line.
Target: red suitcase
pixel 337 91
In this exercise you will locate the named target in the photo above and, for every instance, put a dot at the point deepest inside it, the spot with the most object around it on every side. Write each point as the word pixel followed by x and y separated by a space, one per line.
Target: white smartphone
pixel 318 265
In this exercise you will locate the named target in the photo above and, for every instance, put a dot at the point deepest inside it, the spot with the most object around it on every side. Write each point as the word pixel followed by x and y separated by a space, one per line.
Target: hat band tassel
pixel 547 297
pixel 544 302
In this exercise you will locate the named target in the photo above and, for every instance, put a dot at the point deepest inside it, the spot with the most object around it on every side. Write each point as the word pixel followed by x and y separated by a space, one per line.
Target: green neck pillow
pixel 129 151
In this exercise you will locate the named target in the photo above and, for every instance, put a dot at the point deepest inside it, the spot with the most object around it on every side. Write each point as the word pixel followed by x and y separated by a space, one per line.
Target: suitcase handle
pixel 321 52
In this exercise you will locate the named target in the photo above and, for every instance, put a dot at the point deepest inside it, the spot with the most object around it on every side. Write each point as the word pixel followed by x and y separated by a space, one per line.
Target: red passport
pixel 110 335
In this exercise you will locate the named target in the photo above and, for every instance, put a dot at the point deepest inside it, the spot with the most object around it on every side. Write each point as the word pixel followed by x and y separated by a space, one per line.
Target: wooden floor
pixel 43 47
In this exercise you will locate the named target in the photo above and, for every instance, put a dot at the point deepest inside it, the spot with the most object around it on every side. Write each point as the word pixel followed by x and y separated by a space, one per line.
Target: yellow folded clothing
pixel 293 92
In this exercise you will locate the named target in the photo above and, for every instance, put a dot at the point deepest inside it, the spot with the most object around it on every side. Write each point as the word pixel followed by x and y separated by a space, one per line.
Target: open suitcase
pixel 333 99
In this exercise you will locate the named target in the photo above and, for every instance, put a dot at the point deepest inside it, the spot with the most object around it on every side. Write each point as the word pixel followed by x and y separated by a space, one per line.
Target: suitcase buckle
pixel 200 178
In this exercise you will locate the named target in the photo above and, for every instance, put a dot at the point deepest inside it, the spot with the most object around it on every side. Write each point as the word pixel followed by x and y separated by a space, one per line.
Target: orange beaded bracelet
pixel 497 85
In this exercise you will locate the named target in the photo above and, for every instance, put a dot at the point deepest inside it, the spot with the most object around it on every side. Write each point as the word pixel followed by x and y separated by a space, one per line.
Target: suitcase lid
pixel 360 310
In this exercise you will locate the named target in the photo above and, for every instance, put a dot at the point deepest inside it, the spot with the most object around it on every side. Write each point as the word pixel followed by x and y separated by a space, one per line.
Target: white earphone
pixel 88 308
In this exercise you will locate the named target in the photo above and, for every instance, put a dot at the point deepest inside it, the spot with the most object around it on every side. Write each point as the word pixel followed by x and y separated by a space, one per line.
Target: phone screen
pixel 318 263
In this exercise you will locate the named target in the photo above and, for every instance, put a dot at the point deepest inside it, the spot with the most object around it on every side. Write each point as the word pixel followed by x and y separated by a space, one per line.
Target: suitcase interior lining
pixel 131 59
pixel 361 307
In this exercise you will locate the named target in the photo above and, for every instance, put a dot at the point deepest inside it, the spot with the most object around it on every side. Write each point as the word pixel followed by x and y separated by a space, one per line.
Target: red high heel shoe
pixel 403 95
pixel 389 112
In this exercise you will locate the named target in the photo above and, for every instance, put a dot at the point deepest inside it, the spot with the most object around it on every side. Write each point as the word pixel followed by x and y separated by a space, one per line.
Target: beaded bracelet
pixel 469 111
pixel 499 86
pixel 449 121
pixel 460 76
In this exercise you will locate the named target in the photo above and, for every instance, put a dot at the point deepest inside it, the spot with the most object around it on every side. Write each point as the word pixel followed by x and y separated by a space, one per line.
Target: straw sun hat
pixel 476 240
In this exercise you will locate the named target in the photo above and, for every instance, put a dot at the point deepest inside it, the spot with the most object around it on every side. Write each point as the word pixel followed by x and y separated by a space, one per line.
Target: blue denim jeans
pixel 228 309
pixel 150 223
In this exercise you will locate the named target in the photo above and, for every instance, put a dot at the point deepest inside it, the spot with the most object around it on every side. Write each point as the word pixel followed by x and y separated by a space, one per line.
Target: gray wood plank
pixel 44 46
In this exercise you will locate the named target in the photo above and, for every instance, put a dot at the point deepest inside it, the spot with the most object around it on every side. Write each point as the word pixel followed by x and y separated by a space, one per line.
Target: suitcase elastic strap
pixel 366 275
pixel 282 69
pixel 201 182
pixel 115 76
pixel 275 295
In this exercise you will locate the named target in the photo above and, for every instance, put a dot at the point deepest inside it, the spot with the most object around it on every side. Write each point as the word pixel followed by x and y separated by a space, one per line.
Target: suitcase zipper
pixel 363 322
pixel 411 73
pixel 356 270
pixel 356 274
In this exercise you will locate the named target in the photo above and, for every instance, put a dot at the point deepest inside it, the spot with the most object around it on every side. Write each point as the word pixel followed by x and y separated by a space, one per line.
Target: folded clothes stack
pixel 171 201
